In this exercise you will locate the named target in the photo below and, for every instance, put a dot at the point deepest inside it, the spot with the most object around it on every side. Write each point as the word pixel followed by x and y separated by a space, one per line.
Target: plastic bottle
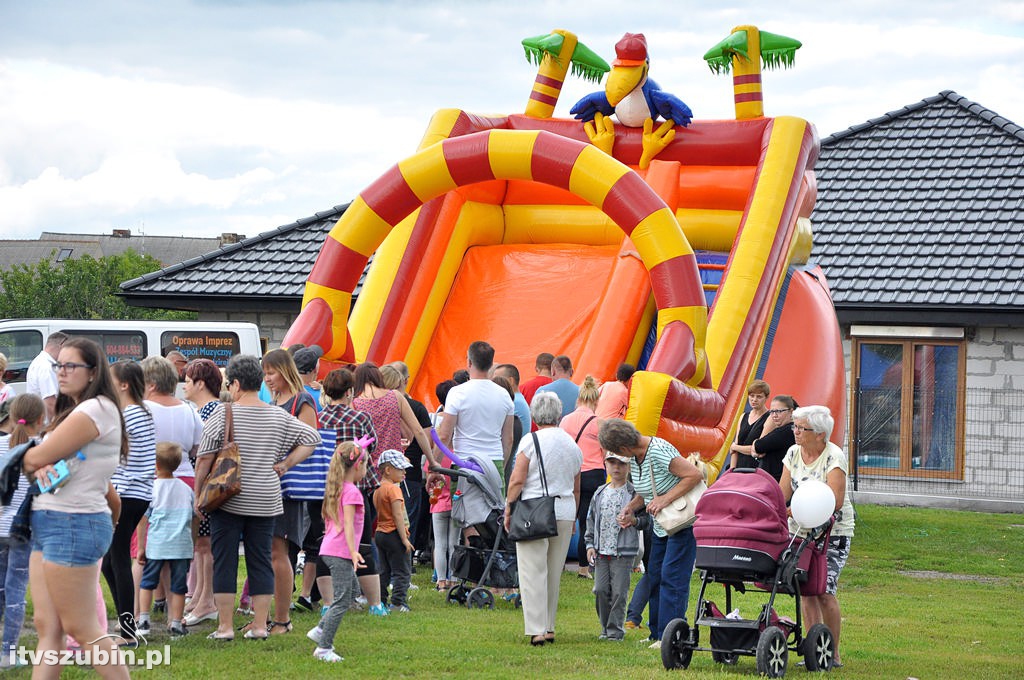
pixel 435 492
pixel 62 471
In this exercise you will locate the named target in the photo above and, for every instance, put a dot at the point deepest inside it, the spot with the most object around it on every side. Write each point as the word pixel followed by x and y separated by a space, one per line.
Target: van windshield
pixel 20 348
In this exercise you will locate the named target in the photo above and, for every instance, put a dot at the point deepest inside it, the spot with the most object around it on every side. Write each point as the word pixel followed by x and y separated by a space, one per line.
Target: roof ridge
pixel 232 247
pixel 986 114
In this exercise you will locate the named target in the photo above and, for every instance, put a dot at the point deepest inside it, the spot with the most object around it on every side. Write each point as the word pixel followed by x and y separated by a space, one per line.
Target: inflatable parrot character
pixel 636 101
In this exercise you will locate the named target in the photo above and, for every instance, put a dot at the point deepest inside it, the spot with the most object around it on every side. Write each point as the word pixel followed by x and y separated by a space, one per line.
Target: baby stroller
pixel 489 561
pixel 743 538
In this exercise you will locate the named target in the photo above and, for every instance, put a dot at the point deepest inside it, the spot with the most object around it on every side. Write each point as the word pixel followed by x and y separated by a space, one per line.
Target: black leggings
pixel 117 563
pixel 589 482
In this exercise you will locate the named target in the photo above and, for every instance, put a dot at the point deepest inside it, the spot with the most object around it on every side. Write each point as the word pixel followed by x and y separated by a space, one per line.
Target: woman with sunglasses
pixel 776 436
pixel 814 457
pixel 72 528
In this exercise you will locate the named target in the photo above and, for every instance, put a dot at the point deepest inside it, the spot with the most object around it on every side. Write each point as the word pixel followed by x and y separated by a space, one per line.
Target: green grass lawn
pixel 926 594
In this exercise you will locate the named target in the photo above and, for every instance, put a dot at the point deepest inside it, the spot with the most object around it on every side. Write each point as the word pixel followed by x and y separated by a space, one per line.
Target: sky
pixel 197 117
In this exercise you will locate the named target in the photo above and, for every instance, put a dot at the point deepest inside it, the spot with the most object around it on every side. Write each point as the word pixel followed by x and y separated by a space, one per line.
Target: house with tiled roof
pixel 917 226
pixel 259 279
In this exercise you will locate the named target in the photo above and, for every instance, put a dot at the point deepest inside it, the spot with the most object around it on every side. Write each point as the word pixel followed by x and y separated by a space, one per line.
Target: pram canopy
pixel 741 523
pixel 478 494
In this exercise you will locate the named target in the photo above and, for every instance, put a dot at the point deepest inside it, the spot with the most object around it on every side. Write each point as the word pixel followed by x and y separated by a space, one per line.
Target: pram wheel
pixel 818 648
pixel 456 595
pixel 772 653
pixel 676 651
pixel 480 598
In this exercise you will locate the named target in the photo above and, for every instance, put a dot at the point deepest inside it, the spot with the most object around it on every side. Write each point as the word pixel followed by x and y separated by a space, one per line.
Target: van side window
pixel 20 348
pixel 218 346
pixel 130 345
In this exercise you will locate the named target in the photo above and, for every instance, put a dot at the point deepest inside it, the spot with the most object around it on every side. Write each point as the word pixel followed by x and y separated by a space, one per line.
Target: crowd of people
pixel 350 473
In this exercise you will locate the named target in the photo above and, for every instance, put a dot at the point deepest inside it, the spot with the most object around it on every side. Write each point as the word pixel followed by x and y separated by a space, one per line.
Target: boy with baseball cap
pixel 392 537
pixel 612 547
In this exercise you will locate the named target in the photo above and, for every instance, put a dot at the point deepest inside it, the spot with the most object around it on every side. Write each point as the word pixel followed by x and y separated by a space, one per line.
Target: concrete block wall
pixel 994 424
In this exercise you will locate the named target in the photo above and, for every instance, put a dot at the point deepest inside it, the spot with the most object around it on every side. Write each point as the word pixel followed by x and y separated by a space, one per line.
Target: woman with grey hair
pixel 814 457
pixel 541 561
pixel 270 442
pixel 174 420
pixel 657 469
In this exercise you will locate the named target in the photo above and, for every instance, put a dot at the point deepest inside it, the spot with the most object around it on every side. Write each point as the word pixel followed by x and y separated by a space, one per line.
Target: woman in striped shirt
pixel 270 442
pixel 133 481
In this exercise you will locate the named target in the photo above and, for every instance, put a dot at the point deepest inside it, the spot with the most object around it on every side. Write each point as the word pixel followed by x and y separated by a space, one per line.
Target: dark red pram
pixel 742 535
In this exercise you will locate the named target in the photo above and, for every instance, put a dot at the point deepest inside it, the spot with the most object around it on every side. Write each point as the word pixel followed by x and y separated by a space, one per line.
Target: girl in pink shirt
pixel 344 514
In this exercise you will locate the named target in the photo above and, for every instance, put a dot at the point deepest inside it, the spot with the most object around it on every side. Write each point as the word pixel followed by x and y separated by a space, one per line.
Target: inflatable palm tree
pixel 553 54
pixel 775 51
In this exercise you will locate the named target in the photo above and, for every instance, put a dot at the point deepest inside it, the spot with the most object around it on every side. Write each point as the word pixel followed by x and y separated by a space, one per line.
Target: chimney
pixel 122 233
pixel 228 237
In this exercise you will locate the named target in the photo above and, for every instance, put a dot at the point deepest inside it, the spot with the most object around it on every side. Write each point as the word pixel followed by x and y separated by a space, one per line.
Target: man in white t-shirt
pixel 478 414
pixel 41 379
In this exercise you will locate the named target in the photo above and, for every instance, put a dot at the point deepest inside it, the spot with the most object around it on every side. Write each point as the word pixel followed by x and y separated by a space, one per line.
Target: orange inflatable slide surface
pixel 524 297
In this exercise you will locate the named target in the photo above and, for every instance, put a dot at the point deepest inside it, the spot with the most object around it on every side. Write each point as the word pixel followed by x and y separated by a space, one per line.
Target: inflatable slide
pixel 685 256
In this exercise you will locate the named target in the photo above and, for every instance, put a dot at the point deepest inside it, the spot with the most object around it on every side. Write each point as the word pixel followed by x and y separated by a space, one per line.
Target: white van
pixel 21 340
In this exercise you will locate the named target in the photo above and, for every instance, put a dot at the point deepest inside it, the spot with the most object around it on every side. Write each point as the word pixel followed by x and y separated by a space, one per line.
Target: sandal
pixel 252 635
pixel 245 626
pixel 537 640
pixel 274 625
pixel 221 638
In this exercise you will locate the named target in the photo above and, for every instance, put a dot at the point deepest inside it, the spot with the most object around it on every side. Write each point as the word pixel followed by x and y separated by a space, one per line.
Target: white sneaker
pixel 360 602
pixel 143 627
pixel 655 645
pixel 328 655
pixel 314 635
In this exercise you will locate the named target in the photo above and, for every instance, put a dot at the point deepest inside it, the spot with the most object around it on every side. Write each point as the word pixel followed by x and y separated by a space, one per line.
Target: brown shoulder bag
pixel 225 477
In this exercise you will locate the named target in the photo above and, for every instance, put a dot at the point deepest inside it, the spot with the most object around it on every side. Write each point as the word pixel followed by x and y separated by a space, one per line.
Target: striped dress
pixel 265 435
pixel 134 478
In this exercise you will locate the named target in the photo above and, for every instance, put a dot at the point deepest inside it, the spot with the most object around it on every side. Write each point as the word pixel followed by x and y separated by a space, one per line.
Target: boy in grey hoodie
pixel 612 547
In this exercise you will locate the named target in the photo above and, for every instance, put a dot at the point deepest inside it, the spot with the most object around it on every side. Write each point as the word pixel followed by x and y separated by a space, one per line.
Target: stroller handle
pixel 452 472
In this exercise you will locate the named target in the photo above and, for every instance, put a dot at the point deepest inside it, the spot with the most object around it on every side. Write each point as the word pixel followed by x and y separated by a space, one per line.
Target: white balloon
pixel 813 503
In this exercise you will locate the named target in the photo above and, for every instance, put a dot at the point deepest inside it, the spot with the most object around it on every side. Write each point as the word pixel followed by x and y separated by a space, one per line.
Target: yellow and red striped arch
pixel 503 154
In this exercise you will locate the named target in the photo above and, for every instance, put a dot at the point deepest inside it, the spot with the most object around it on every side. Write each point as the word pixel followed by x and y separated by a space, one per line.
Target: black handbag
pixel 534 518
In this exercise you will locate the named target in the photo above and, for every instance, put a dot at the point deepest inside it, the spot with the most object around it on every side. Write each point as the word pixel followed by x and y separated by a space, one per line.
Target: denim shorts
pixel 179 575
pixel 71 539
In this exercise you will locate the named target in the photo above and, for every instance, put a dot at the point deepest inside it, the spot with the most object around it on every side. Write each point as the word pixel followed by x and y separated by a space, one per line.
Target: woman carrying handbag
pixel 550 460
